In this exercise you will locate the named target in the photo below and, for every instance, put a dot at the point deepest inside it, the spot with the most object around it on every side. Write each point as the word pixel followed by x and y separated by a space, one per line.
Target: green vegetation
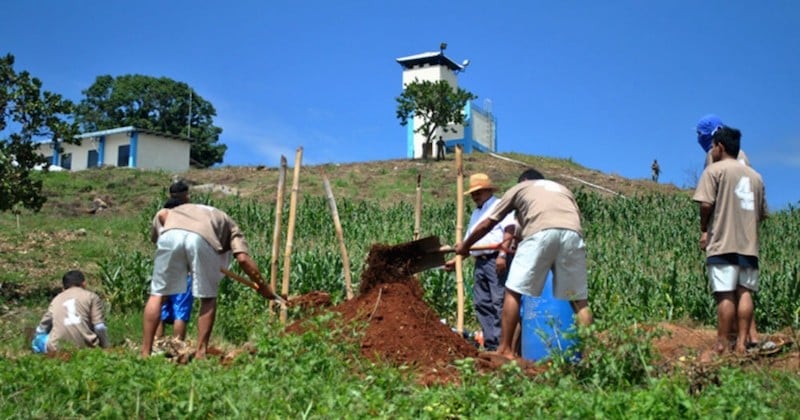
pixel 27 114
pixel 438 104
pixel 645 267
pixel 152 103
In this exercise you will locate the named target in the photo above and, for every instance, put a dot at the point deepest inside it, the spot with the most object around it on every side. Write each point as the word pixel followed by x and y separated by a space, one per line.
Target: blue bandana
pixel 706 128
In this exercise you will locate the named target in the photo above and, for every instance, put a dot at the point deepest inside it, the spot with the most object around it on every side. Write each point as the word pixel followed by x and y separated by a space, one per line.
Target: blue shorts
pixel 178 306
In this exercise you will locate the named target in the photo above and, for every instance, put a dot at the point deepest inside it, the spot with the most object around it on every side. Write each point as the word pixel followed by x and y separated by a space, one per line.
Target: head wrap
pixel 706 128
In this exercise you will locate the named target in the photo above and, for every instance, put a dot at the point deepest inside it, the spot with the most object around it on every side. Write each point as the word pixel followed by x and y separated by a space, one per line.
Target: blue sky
pixel 611 85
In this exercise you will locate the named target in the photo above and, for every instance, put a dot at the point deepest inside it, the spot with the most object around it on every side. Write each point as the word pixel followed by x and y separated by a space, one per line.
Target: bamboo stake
pixel 418 207
pixel 287 256
pixel 339 235
pixel 276 233
pixel 459 238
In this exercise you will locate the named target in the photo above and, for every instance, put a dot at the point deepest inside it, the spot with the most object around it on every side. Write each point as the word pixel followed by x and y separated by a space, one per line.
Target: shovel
pixel 263 290
pixel 426 253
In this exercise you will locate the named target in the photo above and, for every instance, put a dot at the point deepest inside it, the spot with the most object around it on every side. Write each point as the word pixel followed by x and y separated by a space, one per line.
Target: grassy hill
pixel 35 247
pixel 644 266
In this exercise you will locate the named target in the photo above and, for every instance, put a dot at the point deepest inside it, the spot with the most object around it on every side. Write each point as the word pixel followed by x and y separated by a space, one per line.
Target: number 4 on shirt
pixel 745 193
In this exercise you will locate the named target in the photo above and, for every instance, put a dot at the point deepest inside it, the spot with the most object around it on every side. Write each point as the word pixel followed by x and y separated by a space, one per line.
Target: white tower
pixel 481 129
pixel 432 66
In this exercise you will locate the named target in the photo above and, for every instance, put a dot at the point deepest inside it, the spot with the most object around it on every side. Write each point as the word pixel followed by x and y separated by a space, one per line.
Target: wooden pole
pixel 339 235
pixel 418 207
pixel 459 238
pixel 276 233
pixel 287 255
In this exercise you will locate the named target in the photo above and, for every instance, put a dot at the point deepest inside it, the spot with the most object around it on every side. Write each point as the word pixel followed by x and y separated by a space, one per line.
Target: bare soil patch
pixel 403 330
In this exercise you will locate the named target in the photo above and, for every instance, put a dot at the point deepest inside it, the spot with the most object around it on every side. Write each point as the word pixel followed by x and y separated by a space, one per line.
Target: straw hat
pixel 478 182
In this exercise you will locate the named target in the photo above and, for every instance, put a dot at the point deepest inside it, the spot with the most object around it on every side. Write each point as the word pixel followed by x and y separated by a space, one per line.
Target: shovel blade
pixel 424 254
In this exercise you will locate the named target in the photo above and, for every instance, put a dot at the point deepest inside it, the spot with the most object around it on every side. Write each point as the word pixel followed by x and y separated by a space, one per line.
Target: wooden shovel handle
pixel 489 247
pixel 249 283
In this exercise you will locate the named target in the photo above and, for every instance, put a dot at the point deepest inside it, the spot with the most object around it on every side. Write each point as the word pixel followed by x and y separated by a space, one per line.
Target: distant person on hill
pixel 74 317
pixel 176 309
pixel 656 170
pixel 196 239
pixel 732 205
pixel 706 127
pixel 491 266
pixel 550 224
pixel 440 149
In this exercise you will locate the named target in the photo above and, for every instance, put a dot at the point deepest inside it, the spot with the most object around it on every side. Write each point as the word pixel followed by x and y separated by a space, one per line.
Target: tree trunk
pixel 427 150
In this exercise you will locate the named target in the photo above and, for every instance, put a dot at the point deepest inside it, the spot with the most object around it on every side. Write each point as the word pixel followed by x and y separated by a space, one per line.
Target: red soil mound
pixel 400 327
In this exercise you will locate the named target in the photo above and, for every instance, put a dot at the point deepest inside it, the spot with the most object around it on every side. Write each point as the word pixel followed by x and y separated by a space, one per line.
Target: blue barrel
pixel 545 321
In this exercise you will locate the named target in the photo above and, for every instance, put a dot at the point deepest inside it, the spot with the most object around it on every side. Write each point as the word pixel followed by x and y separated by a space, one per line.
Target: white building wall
pixel 113 142
pixel 80 154
pixel 432 73
pixel 155 152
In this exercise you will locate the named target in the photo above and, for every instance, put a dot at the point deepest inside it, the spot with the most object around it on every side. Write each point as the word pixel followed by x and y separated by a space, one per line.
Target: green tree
pixel 437 103
pixel 158 104
pixel 27 114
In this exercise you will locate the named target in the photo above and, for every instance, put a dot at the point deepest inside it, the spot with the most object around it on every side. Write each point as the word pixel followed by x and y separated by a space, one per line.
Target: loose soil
pixel 403 330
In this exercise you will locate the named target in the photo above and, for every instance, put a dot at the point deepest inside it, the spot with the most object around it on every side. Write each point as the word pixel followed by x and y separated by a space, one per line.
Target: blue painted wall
pixel 134 148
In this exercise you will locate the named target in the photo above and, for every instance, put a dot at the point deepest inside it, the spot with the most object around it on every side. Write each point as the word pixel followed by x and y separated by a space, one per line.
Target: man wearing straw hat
pixel 550 225
pixel 491 267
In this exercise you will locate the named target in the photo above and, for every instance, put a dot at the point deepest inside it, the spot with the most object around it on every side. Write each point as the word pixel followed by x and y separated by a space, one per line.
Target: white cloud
pixel 264 142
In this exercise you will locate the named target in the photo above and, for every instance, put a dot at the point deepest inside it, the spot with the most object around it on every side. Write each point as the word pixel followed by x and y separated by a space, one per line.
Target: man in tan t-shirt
pixel 706 127
pixel 195 239
pixel 732 205
pixel 550 222
pixel 75 316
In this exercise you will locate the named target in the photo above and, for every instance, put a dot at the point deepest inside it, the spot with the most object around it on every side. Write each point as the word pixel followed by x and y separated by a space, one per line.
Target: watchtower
pixel 480 130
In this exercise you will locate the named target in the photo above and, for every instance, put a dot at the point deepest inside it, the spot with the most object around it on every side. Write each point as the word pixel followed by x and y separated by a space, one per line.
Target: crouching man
pixel 75 316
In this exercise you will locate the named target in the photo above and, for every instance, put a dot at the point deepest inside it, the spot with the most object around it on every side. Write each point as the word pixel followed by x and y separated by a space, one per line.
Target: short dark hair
pixel 530 174
pixel 72 278
pixel 173 202
pixel 178 188
pixel 730 138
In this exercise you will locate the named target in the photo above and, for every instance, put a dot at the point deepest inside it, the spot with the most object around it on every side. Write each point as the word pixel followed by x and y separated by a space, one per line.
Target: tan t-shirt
pixel 71 317
pixel 737 193
pixel 540 204
pixel 214 225
pixel 741 157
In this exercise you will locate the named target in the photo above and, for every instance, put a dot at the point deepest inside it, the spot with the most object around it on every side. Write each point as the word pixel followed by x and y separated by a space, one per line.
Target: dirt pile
pixel 401 328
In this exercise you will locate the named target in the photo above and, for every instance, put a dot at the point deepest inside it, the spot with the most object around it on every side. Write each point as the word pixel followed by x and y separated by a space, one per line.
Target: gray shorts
pixel 180 253
pixel 560 250
pixel 726 277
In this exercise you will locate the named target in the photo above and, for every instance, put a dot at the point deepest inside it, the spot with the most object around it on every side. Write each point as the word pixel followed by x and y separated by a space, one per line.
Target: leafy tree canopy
pixel 27 114
pixel 158 104
pixel 437 103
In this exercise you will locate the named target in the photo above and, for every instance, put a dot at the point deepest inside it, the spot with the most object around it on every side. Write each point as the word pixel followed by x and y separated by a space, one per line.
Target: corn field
pixel 644 261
